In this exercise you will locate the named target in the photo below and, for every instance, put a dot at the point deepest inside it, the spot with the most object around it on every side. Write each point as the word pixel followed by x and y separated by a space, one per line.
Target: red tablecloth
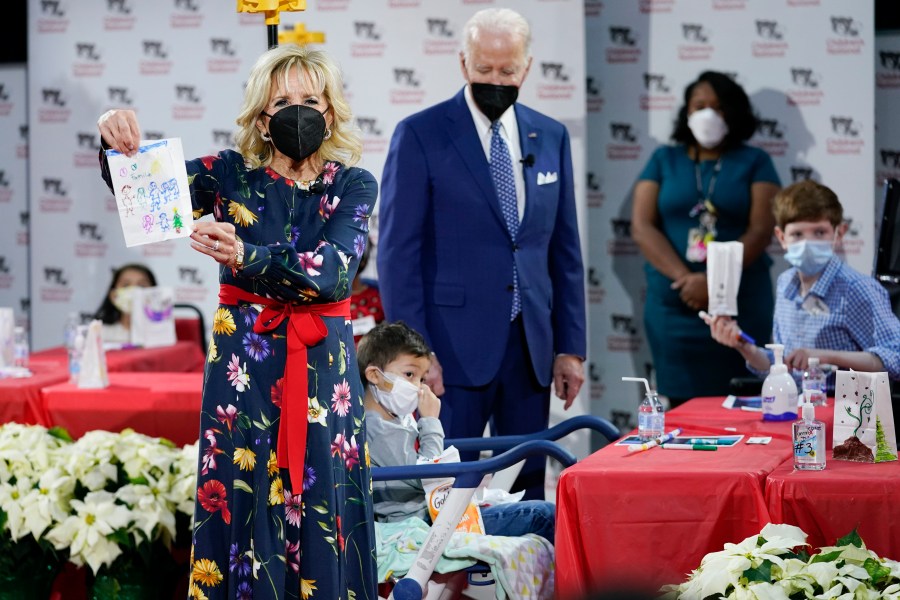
pixel 646 519
pixel 828 504
pixel 182 357
pixel 20 399
pixel 158 404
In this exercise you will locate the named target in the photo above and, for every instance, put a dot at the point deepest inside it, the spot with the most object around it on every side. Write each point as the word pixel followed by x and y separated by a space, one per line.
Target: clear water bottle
pixel 813 384
pixel 71 335
pixel 20 347
pixel 651 417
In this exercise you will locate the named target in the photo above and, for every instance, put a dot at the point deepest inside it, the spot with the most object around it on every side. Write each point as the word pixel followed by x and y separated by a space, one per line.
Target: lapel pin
pixel 532 135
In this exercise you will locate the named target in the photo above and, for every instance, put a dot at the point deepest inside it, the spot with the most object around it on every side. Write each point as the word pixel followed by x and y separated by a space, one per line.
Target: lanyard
pixel 712 181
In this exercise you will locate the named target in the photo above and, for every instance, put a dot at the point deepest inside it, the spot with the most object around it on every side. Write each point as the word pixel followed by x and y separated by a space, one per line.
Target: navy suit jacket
pixel 445 255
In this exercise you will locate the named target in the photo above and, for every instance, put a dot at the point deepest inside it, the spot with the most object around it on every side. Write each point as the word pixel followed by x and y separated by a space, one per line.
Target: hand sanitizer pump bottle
pixel 809 440
pixel 779 391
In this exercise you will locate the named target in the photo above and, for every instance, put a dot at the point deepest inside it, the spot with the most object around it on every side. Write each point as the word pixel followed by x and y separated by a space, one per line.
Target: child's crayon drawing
pixel 152 192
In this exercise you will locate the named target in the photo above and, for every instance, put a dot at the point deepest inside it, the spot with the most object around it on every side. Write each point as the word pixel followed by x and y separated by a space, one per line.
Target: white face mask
pixel 123 298
pixel 403 398
pixel 708 127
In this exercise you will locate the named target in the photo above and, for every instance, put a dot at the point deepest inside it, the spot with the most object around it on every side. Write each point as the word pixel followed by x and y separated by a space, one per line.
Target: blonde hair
pixel 343 146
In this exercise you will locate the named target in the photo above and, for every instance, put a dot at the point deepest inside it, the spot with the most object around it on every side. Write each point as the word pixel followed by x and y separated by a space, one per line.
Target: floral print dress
pixel 257 534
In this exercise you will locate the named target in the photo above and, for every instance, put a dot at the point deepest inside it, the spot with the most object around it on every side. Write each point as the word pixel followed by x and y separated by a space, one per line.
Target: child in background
pixel 393 360
pixel 823 307
pixel 115 311
pixel 365 301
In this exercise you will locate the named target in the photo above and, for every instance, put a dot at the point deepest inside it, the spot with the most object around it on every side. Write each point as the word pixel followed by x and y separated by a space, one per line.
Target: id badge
pixel 696 245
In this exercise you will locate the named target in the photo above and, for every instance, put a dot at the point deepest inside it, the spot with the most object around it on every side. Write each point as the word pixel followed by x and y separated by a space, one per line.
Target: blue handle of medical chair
pixel 607 429
pixel 470 474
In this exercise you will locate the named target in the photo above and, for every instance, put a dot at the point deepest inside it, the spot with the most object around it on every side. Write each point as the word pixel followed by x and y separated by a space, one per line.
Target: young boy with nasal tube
pixel 393 360
pixel 823 307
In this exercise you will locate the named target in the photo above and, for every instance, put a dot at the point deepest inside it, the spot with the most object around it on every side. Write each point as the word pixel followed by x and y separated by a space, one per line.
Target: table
pixel 646 519
pixel 181 357
pixel 157 404
pixel 20 399
pixel 828 504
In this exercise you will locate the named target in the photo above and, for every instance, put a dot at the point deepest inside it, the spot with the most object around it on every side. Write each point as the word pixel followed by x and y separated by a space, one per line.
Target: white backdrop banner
pixel 181 64
pixel 13 193
pixel 807 66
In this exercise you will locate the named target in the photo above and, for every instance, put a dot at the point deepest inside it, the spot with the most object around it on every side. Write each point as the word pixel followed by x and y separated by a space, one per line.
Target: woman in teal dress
pixel 708 186
pixel 284 491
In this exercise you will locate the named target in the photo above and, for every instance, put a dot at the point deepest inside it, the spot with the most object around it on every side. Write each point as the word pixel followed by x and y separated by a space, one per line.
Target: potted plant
pixel 775 565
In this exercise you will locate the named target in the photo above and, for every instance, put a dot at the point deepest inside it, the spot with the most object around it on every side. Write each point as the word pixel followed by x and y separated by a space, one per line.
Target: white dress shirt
pixel 509 129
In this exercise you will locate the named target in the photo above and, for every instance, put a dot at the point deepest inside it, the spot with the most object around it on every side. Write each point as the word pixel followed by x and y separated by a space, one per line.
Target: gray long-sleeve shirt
pixel 392 443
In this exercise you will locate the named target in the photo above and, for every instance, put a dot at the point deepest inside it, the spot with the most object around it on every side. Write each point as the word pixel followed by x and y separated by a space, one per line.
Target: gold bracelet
pixel 238 254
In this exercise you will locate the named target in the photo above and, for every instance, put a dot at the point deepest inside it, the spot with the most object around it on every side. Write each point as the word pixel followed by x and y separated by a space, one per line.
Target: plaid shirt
pixel 844 310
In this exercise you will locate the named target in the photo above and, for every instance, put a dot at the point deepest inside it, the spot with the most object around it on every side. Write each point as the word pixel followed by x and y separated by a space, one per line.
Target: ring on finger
pixel 216 246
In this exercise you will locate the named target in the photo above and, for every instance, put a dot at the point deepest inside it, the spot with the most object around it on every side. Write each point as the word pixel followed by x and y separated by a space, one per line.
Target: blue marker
pixel 743 336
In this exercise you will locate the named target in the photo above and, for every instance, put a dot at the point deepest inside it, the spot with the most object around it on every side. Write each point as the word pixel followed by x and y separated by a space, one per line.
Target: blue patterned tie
pixel 505 184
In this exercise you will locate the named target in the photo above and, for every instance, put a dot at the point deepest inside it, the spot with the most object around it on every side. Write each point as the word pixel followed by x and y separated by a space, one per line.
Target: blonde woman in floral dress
pixel 283 499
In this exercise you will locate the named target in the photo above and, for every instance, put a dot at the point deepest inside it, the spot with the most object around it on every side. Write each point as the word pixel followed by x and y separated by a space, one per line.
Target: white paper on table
pixel 152 192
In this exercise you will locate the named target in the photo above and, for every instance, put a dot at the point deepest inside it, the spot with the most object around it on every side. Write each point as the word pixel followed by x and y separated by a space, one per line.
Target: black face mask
pixel 297 131
pixel 493 100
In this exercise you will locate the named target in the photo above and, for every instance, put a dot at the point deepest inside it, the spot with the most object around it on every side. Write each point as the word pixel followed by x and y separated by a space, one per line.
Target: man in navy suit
pixel 478 245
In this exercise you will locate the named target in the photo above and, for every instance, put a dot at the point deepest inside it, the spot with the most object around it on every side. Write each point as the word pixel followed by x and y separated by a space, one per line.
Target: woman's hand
pixel 693 290
pixel 217 240
pixel 120 129
pixel 429 404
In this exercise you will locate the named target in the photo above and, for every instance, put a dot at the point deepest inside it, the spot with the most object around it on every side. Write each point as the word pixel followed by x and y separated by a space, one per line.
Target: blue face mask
pixel 809 256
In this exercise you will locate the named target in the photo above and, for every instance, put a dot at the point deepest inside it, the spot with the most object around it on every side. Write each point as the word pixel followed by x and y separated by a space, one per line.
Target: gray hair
pixel 496 19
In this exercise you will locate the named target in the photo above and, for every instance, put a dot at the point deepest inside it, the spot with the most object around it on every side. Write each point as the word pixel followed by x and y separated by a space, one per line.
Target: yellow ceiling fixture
pixel 272 10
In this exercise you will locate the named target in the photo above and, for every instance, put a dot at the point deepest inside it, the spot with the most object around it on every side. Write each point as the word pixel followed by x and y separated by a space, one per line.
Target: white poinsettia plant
pixel 93 498
pixel 775 565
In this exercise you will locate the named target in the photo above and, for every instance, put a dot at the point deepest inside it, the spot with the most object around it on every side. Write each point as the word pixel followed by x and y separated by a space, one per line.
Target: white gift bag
pixel 92 372
pixel 863 418
pixel 152 318
pixel 724 263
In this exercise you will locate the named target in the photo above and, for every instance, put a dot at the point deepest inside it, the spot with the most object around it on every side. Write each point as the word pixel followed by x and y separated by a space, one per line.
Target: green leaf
pixel 121 537
pixel 60 433
pixel 877 571
pixel 265 419
pixel 141 480
pixel 243 421
pixel 760 540
pixel 825 557
pixel 324 526
pixel 321 510
pixel 240 484
pixel 761 573
pixel 106 587
pixel 259 425
pixel 851 539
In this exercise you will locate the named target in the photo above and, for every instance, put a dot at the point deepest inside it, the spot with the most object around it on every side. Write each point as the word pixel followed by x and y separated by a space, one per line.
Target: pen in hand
pixel 740 336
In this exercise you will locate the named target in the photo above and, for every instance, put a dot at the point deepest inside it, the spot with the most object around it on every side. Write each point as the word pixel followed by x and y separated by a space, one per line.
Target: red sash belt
pixel 305 328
